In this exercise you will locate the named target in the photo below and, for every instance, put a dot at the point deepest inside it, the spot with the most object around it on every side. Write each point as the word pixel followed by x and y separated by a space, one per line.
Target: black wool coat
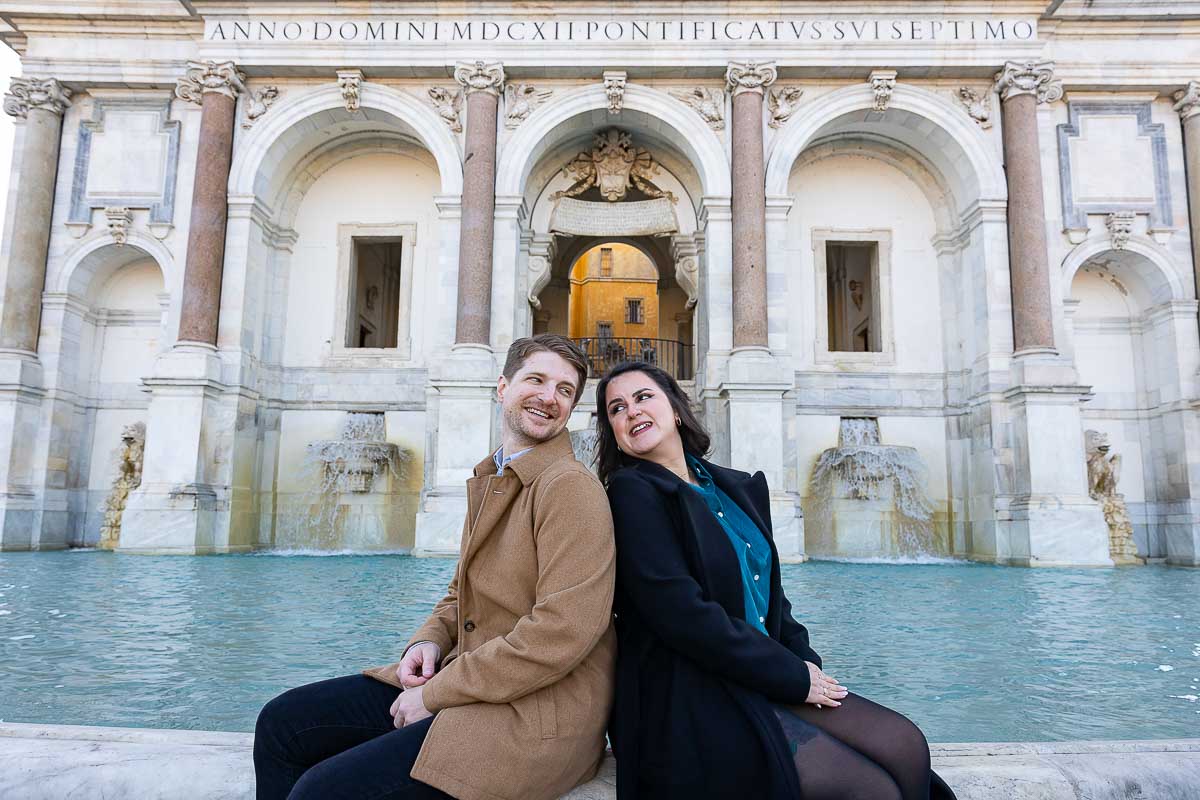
pixel 693 716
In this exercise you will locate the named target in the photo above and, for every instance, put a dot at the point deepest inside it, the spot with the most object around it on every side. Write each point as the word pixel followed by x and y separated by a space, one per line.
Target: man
pixel 507 687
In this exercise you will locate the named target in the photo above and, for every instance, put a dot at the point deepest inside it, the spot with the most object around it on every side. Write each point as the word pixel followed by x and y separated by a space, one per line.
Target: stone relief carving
pixel 614 90
pixel 1187 100
pixel 257 103
pixel 520 101
pixel 119 219
pixel 883 83
pixel 1029 77
pixel 129 477
pixel 685 251
pixel 750 76
pixel 448 105
pixel 613 165
pixel 783 102
pixel 26 93
pixel 350 82
pixel 1104 471
pixel 978 106
pixel 202 77
pixel 480 76
pixel 709 103
pixel 1120 228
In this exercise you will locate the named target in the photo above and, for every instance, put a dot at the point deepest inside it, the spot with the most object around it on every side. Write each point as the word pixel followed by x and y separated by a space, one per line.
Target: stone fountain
pixel 1104 470
pixel 351 503
pixel 129 477
pixel 868 498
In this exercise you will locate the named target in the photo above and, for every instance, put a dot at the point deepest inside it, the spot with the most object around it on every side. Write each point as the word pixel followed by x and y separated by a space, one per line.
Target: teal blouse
pixel 751 547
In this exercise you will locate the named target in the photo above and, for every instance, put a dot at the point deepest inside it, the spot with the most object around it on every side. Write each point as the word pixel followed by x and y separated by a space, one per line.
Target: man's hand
pixel 409 707
pixel 418 664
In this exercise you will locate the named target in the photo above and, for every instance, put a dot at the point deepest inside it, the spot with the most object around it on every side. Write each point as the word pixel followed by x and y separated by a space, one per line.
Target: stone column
pixel 1187 103
pixel 749 203
pixel 482 84
pixel 214 86
pixel 41 104
pixel 1022 87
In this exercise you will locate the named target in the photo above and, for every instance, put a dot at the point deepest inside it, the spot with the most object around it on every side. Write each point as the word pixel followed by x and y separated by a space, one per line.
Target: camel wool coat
pixel 526 680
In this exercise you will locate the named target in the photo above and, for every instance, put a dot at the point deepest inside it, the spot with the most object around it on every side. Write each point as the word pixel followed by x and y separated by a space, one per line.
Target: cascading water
pixel 346 506
pixel 868 499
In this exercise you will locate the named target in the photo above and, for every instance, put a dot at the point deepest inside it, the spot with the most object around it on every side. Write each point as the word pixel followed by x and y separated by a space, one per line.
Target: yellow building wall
pixel 597 298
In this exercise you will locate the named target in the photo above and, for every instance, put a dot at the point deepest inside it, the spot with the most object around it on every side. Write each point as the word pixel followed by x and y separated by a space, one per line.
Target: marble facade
pixel 184 185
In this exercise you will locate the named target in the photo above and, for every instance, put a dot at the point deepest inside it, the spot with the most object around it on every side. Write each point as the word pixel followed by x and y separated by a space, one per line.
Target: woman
pixel 719 694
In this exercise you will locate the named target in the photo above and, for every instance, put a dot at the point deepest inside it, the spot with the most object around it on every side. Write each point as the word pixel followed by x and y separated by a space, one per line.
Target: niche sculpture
pixel 1104 470
pixel 129 477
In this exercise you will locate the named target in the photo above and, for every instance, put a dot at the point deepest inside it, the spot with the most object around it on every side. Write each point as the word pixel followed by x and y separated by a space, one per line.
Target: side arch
pixel 954 145
pixel 1154 275
pixel 96 256
pixel 535 136
pixel 265 146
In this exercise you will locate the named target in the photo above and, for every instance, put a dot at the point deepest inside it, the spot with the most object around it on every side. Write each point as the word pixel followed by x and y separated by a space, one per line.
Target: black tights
pixel 857 751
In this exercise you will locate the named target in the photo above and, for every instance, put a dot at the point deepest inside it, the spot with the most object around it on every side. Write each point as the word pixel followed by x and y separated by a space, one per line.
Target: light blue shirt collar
pixel 503 461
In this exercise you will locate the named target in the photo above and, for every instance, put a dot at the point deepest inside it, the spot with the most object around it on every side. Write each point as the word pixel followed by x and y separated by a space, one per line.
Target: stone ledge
pixel 66 762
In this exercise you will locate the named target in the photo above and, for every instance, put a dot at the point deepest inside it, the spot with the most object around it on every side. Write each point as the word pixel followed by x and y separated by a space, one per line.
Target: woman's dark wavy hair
pixel 608 458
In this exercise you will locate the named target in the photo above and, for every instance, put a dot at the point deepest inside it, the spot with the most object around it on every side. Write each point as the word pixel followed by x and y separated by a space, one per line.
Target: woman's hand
pixel 823 690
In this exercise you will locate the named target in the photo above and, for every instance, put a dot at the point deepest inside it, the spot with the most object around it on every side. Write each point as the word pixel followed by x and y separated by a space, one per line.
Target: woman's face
pixel 641 416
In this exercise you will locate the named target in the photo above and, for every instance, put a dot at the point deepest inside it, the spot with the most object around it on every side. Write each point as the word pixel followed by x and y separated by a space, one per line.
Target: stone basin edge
pixel 40 761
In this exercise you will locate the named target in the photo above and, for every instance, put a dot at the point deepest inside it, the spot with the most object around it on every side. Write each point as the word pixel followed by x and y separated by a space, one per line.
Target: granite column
pixel 747 81
pixel 1187 103
pixel 482 84
pixel 1022 87
pixel 41 104
pixel 214 86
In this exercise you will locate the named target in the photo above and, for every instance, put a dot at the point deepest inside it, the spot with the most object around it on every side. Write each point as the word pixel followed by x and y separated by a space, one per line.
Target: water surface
pixel 970 652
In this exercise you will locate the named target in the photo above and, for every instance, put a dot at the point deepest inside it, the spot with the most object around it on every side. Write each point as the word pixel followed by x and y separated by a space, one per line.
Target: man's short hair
pixel 572 353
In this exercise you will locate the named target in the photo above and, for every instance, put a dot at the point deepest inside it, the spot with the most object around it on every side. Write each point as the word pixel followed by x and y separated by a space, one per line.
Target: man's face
pixel 538 401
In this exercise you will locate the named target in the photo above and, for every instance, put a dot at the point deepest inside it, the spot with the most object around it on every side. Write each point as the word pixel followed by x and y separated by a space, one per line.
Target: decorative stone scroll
pixel 519 102
pixel 26 93
pixel 257 103
pixel 480 76
pixel 978 106
pixel 1187 101
pixel 350 82
pixel 541 256
pixel 709 103
pixel 750 76
pixel 1029 77
pixel 573 217
pixel 203 77
pixel 613 165
pixel 614 90
pixel 448 105
pixel 783 102
pixel 883 83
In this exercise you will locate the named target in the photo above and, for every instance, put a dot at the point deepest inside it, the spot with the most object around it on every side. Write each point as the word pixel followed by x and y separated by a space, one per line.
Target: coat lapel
pixel 748 491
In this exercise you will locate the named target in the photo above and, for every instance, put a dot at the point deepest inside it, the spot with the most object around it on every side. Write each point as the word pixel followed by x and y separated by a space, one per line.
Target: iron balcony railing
pixel 604 352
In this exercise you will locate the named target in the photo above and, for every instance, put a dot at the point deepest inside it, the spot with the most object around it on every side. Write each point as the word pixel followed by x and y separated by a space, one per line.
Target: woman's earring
pixel 678 422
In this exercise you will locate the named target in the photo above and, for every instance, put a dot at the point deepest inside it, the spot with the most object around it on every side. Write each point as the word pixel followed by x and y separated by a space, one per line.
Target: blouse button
pixel 755 577
pixel 762 619
pixel 720 513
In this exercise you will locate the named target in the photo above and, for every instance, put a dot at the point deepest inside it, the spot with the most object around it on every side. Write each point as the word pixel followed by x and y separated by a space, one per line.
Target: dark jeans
pixel 336 739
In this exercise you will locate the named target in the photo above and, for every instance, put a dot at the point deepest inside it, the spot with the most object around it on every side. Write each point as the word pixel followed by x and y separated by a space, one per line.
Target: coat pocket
pixel 547 712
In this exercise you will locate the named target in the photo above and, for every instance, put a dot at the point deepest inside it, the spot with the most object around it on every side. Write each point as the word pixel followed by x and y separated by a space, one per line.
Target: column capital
pixel 1187 100
pixel 203 77
pixel 750 76
pixel 480 76
pixel 28 93
pixel 1029 77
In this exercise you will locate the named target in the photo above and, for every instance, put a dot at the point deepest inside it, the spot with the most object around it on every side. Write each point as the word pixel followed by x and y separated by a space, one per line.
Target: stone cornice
pixel 46 94
pixel 480 76
pixel 750 76
pixel 203 77
pixel 1029 77
pixel 1187 100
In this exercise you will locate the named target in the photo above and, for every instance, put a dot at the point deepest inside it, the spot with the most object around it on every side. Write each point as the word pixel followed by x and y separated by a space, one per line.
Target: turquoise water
pixel 970 652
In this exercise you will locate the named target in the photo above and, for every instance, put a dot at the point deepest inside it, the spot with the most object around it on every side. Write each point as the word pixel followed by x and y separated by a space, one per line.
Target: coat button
pixel 469 626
